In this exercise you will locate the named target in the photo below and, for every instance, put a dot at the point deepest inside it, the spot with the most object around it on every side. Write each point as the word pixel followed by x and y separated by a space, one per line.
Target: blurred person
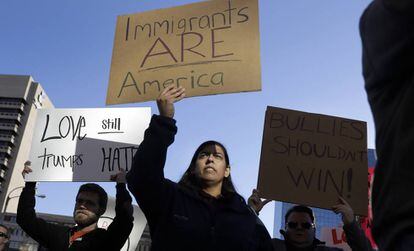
pixel 387 34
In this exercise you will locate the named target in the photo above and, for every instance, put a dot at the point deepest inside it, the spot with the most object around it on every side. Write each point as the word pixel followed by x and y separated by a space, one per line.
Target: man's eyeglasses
pixel 304 225
pixel 4 235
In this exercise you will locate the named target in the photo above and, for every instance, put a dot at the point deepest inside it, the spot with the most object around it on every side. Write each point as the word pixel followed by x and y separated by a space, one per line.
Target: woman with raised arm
pixel 200 212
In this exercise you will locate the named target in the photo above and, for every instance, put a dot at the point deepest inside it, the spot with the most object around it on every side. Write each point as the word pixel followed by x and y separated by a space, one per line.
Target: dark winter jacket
pixel 387 32
pixel 180 218
pixel 280 245
pixel 56 237
pixel 355 237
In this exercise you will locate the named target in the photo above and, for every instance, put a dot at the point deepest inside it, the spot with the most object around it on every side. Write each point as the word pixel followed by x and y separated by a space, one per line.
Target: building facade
pixel 20 97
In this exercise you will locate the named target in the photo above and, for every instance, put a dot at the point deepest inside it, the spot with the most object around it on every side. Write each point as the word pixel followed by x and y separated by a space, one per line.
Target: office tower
pixel 20 97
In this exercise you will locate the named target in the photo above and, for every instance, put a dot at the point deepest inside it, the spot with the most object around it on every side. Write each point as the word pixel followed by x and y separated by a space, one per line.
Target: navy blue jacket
pixel 180 218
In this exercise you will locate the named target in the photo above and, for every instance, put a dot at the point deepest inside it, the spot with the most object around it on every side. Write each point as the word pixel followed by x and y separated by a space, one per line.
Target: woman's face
pixel 211 166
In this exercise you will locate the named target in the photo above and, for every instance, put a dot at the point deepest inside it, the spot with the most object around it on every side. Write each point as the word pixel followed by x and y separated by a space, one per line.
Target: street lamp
pixel 9 197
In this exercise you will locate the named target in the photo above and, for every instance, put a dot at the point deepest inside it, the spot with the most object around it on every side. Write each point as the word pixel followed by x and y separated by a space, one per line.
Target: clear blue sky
pixel 311 61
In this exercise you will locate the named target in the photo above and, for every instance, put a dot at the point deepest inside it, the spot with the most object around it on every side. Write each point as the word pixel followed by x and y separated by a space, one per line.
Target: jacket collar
pixel 230 201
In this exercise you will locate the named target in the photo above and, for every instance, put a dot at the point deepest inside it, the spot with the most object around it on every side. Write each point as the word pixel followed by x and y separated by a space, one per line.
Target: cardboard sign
pixel 209 47
pixel 139 224
pixel 311 159
pixel 335 237
pixel 85 144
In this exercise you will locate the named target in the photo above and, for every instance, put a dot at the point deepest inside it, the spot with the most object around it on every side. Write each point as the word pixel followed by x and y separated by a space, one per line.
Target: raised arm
pixel 355 236
pixel 146 178
pixel 35 227
pixel 121 227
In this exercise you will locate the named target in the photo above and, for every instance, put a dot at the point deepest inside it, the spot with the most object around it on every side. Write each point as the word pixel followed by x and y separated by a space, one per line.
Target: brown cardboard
pixel 209 47
pixel 292 171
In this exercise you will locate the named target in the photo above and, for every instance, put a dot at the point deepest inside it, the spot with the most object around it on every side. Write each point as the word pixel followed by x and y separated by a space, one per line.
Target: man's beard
pixel 84 218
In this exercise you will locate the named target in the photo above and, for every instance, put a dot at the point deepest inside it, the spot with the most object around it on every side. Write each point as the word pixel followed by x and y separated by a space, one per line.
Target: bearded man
pixel 91 202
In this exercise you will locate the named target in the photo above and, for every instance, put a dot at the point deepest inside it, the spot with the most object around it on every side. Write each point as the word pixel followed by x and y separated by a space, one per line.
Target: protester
pixel 299 232
pixel 91 202
pixel 387 33
pixel 4 237
pixel 203 211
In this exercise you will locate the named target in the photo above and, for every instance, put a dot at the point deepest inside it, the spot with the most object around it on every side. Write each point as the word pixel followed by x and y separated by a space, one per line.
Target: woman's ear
pixel 227 172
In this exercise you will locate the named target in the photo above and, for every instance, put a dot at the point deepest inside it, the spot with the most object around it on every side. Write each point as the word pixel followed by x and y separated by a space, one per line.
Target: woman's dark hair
pixel 300 209
pixel 190 180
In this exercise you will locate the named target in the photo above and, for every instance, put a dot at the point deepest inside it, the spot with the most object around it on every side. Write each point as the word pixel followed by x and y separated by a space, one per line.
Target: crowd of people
pixel 203 211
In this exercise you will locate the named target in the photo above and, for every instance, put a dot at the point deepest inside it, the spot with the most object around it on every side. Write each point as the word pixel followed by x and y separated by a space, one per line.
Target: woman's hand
pixel 167 98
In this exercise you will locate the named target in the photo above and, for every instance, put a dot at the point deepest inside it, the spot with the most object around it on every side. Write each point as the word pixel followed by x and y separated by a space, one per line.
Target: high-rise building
pixel 323 218
pixel 20 97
